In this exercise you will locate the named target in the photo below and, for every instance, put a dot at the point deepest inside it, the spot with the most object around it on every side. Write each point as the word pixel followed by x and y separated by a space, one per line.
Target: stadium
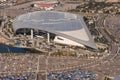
pixel 68 28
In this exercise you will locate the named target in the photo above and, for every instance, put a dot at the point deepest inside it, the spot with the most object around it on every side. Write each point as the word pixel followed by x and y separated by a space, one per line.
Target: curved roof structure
pixel 64 24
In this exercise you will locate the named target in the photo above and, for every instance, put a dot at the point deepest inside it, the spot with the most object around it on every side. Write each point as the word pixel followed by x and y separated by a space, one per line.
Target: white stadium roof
pixel 64 24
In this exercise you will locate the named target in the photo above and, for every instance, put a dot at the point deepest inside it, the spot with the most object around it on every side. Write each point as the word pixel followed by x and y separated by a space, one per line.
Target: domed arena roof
pixel 68 25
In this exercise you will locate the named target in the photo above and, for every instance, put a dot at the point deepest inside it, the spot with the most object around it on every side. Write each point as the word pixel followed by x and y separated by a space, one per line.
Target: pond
pixel 9 49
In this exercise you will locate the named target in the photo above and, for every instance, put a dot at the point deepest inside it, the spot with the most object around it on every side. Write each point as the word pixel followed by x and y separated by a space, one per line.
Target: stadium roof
pixel 117 78
pixel 64 24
